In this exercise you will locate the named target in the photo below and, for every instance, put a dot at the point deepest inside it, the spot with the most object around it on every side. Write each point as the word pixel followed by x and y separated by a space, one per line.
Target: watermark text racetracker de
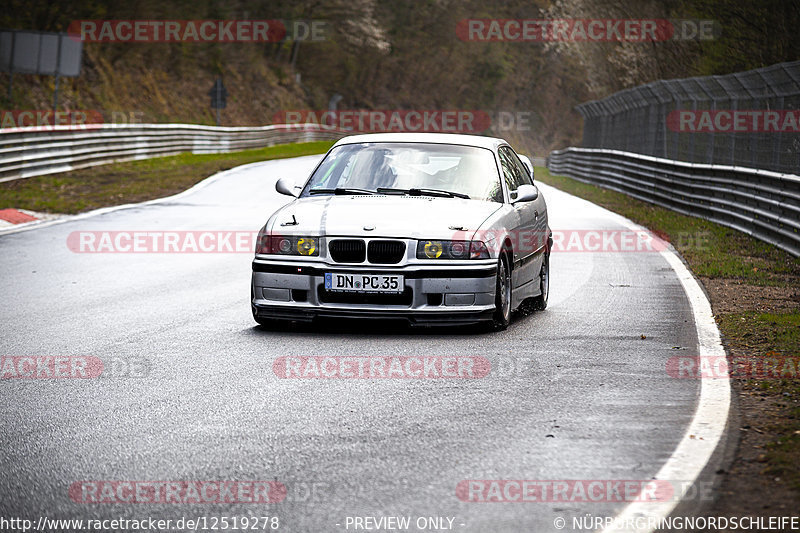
pixel 241 241
pixel 48 367
pixel 487 491
pixel 197 31
pixel 734 121
pixel 390 120
pixel 45 119
pixel 381 367
pixel 587 30
pixel 77 119
pixel 176 492
pixel 770 365
pixel 469 121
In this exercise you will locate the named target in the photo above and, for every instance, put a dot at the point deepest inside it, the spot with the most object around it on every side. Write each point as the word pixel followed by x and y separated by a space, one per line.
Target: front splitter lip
pixel 444 316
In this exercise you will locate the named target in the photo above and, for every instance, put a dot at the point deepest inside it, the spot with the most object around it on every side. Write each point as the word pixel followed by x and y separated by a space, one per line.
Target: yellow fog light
pixel 306 246
pixel 433 249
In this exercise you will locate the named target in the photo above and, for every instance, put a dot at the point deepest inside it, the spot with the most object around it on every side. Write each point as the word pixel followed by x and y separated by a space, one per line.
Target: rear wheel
pixel 502 297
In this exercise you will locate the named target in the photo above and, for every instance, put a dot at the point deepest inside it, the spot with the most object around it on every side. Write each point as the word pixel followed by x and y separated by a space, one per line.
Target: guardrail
pixel 27 152
pixel 761 203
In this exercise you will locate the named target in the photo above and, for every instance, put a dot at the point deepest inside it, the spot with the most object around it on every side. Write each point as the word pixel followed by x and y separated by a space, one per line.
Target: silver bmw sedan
pixel 428 228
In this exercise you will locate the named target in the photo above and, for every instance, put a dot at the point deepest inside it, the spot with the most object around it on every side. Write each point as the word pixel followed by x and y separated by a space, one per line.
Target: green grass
pixel 134 181
pixel 773 335
pixel 764 331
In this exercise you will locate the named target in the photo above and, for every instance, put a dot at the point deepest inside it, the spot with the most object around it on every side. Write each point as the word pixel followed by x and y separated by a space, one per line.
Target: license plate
pixel 363 282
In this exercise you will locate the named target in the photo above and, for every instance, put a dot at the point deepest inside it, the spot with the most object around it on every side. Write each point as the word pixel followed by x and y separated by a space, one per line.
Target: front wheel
pixel 502 297
pixel 540 302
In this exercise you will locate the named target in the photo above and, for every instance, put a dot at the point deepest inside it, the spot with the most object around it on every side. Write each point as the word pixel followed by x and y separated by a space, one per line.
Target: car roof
pixel 435 138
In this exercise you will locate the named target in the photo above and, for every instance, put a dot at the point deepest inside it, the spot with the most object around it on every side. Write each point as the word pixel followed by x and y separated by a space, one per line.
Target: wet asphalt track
pixel 575 392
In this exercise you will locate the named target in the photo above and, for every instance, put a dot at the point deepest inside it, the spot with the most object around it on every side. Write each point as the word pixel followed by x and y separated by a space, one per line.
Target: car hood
pixel 414 217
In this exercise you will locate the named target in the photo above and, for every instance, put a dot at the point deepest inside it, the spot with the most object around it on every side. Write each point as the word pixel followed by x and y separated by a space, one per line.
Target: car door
pixel 540 211
pixel 528 235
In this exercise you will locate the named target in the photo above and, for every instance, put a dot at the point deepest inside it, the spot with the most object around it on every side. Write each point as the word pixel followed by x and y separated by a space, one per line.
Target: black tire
pixel 502 295
pixel 539 303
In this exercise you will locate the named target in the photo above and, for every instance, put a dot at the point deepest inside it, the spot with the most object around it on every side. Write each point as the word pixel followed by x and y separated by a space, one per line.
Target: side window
pixel 526 177
pixel 511 172
pixel 520 171
pixel 508 174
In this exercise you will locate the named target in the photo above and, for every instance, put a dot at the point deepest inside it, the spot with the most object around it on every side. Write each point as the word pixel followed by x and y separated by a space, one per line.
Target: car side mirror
pixel 526 193
pixel 286 186
pixel 530 170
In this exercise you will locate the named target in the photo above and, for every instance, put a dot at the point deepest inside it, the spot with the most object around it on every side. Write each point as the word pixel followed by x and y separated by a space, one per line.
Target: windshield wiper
pixel 341 190
pixel 439 193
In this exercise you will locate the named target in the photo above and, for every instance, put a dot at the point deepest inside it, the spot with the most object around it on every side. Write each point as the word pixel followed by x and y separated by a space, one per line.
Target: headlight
pixel 452 250
pixel 431 249
pixel 307 246
pixel 286 245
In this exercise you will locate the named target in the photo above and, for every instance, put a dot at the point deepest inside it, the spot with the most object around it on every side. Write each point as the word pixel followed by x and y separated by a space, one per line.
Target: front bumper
pixel 451 294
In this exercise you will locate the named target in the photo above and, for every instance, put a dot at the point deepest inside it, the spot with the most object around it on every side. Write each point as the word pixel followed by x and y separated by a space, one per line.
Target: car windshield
pixel 408 168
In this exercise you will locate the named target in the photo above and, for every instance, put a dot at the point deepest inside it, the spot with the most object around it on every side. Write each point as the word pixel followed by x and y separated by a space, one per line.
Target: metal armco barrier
pixel 27 152
pixel 761 203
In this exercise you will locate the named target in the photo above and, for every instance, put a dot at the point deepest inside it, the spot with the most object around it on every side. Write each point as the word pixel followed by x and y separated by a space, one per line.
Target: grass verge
pixel 755 295
pixel 134 181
